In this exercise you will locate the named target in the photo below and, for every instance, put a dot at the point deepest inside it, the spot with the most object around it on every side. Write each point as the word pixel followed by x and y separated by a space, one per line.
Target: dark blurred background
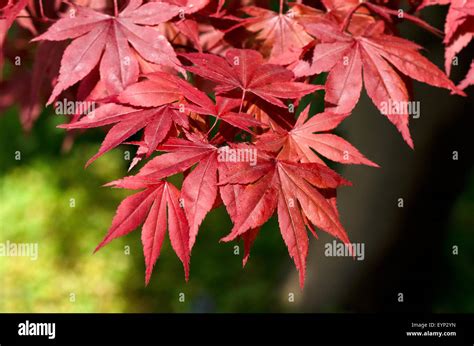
pixel 408 250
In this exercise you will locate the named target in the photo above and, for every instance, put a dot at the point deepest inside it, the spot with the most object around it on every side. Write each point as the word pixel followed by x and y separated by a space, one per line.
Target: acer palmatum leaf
pixel 150 110
pixel 296 191
pixel 225 109
pixel 230 196
pixel 246 70
pixel 346 57
pixel 112 41
pixel 300 143
pixel 199 188
pixel 127 121
pixel 8 15
pixel 283 37
pixel 458 28
pixel 155 207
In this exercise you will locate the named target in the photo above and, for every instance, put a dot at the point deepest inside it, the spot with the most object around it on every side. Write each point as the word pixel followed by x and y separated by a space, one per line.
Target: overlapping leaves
pixel 172 77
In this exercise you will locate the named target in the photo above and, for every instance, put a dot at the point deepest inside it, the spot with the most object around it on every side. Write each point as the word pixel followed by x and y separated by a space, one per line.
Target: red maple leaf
pixel 223 109
pixel 358 15
pixel 230 195
pixel 302 193
pixel 373 53
pixel 299 144
pixel 459 31
pixel 245 70
pixel 9 11
pixel 150 109
pixel 283 37
pixel 199 188
pixel 113 41
pixel 155 207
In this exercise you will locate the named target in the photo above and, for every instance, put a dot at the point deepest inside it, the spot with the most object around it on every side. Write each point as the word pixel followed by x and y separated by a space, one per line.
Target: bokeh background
pixel 409 250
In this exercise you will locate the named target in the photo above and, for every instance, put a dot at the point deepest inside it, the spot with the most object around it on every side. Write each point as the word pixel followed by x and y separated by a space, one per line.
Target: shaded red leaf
pixel 109 39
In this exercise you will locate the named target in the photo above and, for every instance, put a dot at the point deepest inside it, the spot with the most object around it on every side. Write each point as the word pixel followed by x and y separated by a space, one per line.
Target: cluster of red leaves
pixel 192 79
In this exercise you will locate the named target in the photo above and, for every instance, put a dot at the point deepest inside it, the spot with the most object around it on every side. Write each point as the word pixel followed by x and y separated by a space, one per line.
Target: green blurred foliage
pixel 35 207
pixel 46 200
